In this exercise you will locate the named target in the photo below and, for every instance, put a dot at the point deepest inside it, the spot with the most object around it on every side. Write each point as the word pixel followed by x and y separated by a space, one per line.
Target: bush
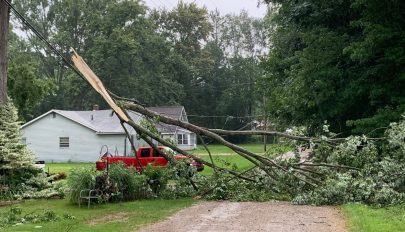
pixel 130 183
pixel 80 179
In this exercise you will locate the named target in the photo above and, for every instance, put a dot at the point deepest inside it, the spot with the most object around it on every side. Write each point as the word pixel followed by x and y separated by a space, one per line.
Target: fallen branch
pixel 209 153
pixel 142 130
pixel 327 165
pixel 252 157
pixel 226 181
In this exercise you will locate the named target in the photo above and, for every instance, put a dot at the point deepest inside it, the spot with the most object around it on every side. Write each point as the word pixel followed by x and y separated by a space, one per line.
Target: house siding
pixel 42 138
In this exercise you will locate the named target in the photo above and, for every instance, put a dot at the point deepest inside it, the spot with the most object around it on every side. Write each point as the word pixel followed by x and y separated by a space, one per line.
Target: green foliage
pixel 18 176
pixel 242 190
pixel 118 40
pixel 73 218
pixel 131 184
pixel 80 179
pixel 172 182
pixel 379 180
pixel 14 156
pixel 16 217
pixel 364 218
pixel 186 55
pixel 27 86
pixel 356 152
pixel 340 61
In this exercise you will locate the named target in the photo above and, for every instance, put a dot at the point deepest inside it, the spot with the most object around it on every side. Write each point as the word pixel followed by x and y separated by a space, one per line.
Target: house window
pixel 182 139
pixel 192 139
pixel 24 140
pixel 63 142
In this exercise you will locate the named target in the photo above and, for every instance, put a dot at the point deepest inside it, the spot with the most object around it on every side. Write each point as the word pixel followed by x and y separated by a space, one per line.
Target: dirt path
pixel 252 216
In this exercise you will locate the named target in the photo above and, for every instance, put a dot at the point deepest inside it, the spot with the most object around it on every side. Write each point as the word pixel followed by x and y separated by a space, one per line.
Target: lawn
pixel 223 157
pixel 362 218
pixel 218 149
pixel 126 216
pixel 65 167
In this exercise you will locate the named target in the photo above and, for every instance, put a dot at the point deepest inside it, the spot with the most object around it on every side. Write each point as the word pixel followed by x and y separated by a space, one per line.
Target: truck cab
pixel 146 156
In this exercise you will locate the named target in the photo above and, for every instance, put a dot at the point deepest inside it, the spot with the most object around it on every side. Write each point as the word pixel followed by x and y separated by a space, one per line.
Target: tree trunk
pixel 4 20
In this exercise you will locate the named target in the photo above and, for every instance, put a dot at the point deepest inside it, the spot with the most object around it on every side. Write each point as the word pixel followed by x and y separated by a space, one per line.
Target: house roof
pixel 174 112
pixel 106 122
pixel 169 111
pixel 100 121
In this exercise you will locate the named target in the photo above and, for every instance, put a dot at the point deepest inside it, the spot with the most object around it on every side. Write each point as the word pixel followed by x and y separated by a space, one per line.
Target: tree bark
pixel 4 21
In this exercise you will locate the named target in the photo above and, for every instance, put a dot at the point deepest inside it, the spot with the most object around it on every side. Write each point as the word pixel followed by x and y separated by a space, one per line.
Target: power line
pixel 216 7
pixel 224 116
pixel 165 4
pixel 225 85
pixel 154 3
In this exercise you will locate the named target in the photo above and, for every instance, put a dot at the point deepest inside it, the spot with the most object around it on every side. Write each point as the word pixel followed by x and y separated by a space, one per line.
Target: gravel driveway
pixel 252 216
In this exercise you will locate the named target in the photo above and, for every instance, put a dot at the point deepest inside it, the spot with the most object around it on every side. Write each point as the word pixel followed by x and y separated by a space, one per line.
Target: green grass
pixel 362 218
pixel 225 157
pixel 222 150
pixel 66 167
pixel 229 161
pixel 134 215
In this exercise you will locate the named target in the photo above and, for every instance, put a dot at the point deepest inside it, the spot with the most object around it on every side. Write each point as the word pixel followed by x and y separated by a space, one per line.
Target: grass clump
pixel 80 179
pixel 130 183
pixel 363 218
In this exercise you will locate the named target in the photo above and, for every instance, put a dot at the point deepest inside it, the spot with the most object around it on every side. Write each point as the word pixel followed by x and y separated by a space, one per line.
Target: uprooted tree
pixel 357 168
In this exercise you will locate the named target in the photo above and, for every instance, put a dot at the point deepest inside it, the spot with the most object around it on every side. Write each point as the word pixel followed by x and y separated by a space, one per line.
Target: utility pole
pixel 4 22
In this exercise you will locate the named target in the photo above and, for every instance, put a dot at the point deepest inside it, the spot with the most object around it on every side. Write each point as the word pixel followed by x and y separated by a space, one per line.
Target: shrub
pixel 80 179
pixel 130 183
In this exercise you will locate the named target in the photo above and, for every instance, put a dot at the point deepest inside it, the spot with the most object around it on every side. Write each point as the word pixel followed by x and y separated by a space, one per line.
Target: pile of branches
pixel 338 170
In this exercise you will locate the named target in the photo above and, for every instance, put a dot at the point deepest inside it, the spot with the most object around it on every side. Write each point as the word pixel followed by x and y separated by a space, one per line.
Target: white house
pixel 185 139
pixel 78 136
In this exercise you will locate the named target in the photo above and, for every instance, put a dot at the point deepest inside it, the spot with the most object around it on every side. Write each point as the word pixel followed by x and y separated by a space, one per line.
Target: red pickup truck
pixel 146 155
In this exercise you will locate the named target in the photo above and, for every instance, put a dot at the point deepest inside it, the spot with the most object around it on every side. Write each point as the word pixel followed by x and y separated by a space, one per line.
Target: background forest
pixel 306 63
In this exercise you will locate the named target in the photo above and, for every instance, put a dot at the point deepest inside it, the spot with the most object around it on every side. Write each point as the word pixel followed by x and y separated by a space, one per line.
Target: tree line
pixel 203 60
pixel 307 62
pixel 342 62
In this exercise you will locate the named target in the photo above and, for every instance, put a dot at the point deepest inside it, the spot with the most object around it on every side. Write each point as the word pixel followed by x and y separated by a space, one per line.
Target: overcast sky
pixel 224 6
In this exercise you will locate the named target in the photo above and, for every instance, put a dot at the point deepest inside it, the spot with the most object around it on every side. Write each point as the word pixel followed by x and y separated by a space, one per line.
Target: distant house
pixel 78 136
pixel 183 138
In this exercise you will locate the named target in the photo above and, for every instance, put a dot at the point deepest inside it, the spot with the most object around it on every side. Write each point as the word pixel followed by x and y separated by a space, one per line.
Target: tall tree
pixel 339 61
pixel 117 38
pixel 187 28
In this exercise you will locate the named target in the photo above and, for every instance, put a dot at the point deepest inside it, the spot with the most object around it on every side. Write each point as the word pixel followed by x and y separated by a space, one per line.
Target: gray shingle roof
pixel 169 111
pixel 101 121
pixel 105 122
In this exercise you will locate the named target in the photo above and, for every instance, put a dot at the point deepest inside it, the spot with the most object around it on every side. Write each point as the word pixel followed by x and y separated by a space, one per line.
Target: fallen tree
pixel 338 171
